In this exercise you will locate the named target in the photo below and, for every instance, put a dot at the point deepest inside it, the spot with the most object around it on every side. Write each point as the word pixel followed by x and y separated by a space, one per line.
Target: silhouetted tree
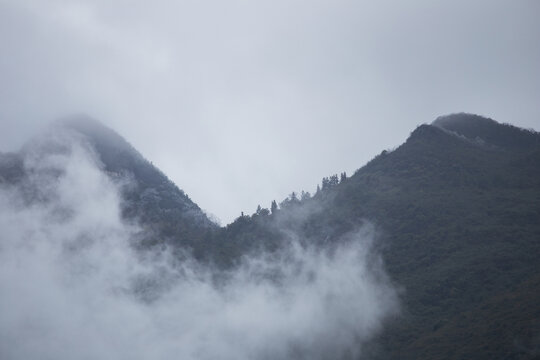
pixel 273 207
pixel 325 183
pixel 328 182
pixel 290 200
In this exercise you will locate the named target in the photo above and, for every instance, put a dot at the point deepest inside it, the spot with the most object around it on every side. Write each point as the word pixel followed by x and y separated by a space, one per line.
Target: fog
pixel 73 287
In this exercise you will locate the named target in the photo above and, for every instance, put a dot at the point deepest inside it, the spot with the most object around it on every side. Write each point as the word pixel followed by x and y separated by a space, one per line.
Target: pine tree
pixel 325 183
pixel 293 197
pixel 273 207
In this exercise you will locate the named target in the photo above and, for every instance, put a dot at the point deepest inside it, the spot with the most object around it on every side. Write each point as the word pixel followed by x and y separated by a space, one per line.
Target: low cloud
pixel 72 287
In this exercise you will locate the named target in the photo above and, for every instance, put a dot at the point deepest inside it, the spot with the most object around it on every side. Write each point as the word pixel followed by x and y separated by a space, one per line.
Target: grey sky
pixel 242 102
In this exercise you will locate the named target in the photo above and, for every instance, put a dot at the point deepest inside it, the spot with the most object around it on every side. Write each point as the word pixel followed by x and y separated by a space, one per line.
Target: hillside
pixel 150 199
pixel 457 209
pixel 460 213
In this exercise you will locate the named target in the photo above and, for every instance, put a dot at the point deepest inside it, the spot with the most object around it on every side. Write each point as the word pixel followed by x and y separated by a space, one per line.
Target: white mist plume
pixel 71 287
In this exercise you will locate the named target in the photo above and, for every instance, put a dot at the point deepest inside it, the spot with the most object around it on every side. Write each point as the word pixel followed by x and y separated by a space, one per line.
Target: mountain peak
pixel 462 119
pixel 151 197
pixel 488 131
pixel 102 137
pixel 80 120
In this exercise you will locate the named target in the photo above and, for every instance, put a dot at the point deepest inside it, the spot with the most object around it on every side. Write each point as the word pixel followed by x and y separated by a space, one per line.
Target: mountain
pixel 456 210
pixel 488 132
pixel 459 203
pixel 150 199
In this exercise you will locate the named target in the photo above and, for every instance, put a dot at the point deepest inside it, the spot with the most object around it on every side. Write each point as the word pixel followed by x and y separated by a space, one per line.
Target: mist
pixel 74 287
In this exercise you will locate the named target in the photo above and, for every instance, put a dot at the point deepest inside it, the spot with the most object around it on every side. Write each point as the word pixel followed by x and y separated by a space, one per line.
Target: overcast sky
pixel 241 102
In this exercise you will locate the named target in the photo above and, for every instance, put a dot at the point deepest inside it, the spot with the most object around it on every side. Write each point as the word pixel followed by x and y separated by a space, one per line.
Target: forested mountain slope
pixel 457 208
pixel 164 212
pixel 150 199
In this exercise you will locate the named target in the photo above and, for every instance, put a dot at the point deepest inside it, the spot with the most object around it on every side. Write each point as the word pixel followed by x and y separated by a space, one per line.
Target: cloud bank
pixel 72 287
